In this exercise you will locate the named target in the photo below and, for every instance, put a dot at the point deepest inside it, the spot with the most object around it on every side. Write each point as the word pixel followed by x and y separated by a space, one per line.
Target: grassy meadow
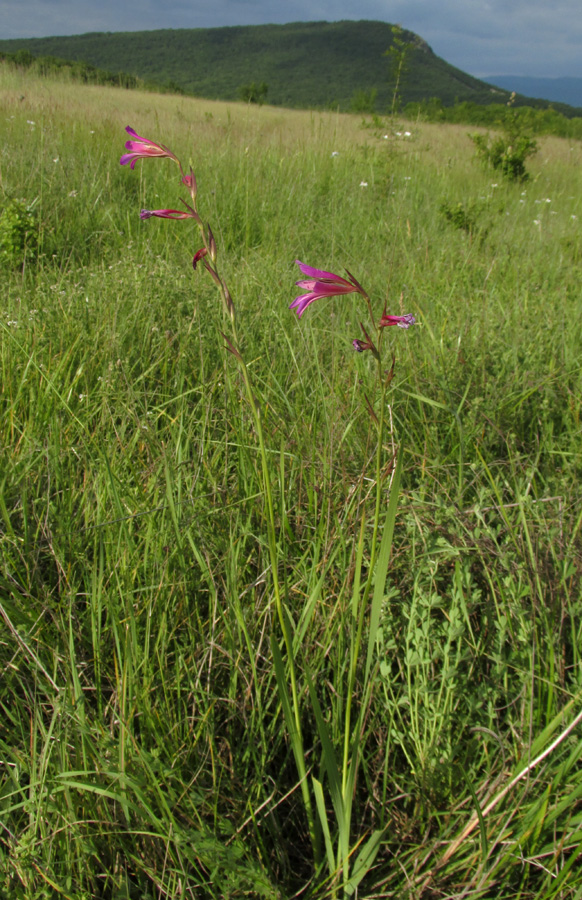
pixel 145 748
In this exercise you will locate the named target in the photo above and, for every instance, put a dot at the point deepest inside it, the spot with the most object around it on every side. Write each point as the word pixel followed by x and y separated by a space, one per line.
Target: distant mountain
pixel 561 90
pixel 310 64
pixel 304 64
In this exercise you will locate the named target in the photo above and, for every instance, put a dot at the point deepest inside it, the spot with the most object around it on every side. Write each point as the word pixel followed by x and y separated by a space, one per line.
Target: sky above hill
pixel 483 37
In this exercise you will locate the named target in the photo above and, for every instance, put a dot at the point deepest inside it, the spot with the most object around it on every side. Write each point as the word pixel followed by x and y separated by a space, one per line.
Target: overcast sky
pixel 540 38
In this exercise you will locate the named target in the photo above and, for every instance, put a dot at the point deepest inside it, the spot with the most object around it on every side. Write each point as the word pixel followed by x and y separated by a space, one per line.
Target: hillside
pixel 315 64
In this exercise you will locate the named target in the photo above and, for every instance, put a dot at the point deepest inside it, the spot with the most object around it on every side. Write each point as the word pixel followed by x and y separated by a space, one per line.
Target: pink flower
pixel 166 214
pixel 141 148
pixel 368 344
pixel 320 284
pixel 200 254
pixel 402 321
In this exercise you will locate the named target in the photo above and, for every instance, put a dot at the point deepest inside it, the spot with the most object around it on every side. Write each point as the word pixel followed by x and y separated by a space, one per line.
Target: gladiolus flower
pixel 368 344
pixel 165 214
pixel 200 254
pixel 320 284
pixel 402 321
pixel 141 148
pixel 190 182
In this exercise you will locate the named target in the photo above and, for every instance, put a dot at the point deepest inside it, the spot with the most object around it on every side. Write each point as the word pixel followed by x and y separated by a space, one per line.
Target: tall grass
pixel 144 750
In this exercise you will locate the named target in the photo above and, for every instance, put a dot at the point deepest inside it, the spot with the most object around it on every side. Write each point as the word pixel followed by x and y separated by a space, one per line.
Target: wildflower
pixel 335 153
pixel 402 321
pixel 167 214
pixel 190 182
pixel 363 184
pixel 368 344
pixel 321 284
pixel 141 148
pixel 198 256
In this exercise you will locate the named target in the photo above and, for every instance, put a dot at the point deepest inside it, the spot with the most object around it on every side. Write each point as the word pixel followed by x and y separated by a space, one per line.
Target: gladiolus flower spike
pixel 320 284
pixel 141 148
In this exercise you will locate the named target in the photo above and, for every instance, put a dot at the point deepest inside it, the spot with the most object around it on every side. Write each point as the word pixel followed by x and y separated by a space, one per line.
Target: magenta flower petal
pixel 321 275
pixel 319 284
pixel 301 303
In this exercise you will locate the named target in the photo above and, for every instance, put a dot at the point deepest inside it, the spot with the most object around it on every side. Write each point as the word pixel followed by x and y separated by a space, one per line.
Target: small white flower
pixel 30 122
pixel 573 216
pixel 73 193
pixel 548 200
pixel 56 159
pixel 495 184
pixel 537 222
pixel 334 153
pixel 385 137
pixel 407 134
pixel 398 133
pixel 13 322
pixel 363 184
pixel 407 177
pixel 82 396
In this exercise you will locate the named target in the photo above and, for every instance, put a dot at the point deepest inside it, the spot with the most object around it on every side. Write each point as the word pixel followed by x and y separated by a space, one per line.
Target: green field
pixel 222 676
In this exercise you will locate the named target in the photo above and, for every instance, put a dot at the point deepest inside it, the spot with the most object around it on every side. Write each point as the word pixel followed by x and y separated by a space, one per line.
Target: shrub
pixel 18 233
pixel 253 92
pixel 508 152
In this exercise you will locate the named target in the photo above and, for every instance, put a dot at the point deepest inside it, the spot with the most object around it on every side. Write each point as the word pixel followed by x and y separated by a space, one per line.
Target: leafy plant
pixel 398 53
pixel 460 215
pixel 254 93
pixel 18 233
pixel 508 152
pixel 364 101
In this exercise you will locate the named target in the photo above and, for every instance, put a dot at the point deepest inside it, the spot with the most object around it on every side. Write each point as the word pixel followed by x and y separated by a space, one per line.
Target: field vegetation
pixel 145 740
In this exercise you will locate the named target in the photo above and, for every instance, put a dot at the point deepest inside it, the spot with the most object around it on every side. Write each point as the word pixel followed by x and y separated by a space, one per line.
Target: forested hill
pixel 309 64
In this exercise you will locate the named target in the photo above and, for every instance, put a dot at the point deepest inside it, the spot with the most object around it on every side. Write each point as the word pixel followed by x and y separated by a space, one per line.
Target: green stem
pixel 363 605
pixel 272 535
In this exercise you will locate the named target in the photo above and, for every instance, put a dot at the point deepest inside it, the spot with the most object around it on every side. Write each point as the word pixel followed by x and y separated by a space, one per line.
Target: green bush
pixel 18 233
pixel 253 92
pixel 506 154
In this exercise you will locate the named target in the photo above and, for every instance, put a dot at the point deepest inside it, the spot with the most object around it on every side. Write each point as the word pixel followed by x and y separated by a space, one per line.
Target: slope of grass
pixel 143 747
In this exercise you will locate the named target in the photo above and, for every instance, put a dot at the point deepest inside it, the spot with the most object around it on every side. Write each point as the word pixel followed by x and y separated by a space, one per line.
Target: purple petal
pixel 135 135
pixel 319 274
pixel 300 304
pixel 128 157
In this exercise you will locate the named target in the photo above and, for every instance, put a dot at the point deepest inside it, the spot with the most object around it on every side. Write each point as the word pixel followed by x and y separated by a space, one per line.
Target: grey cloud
pixel 527 37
